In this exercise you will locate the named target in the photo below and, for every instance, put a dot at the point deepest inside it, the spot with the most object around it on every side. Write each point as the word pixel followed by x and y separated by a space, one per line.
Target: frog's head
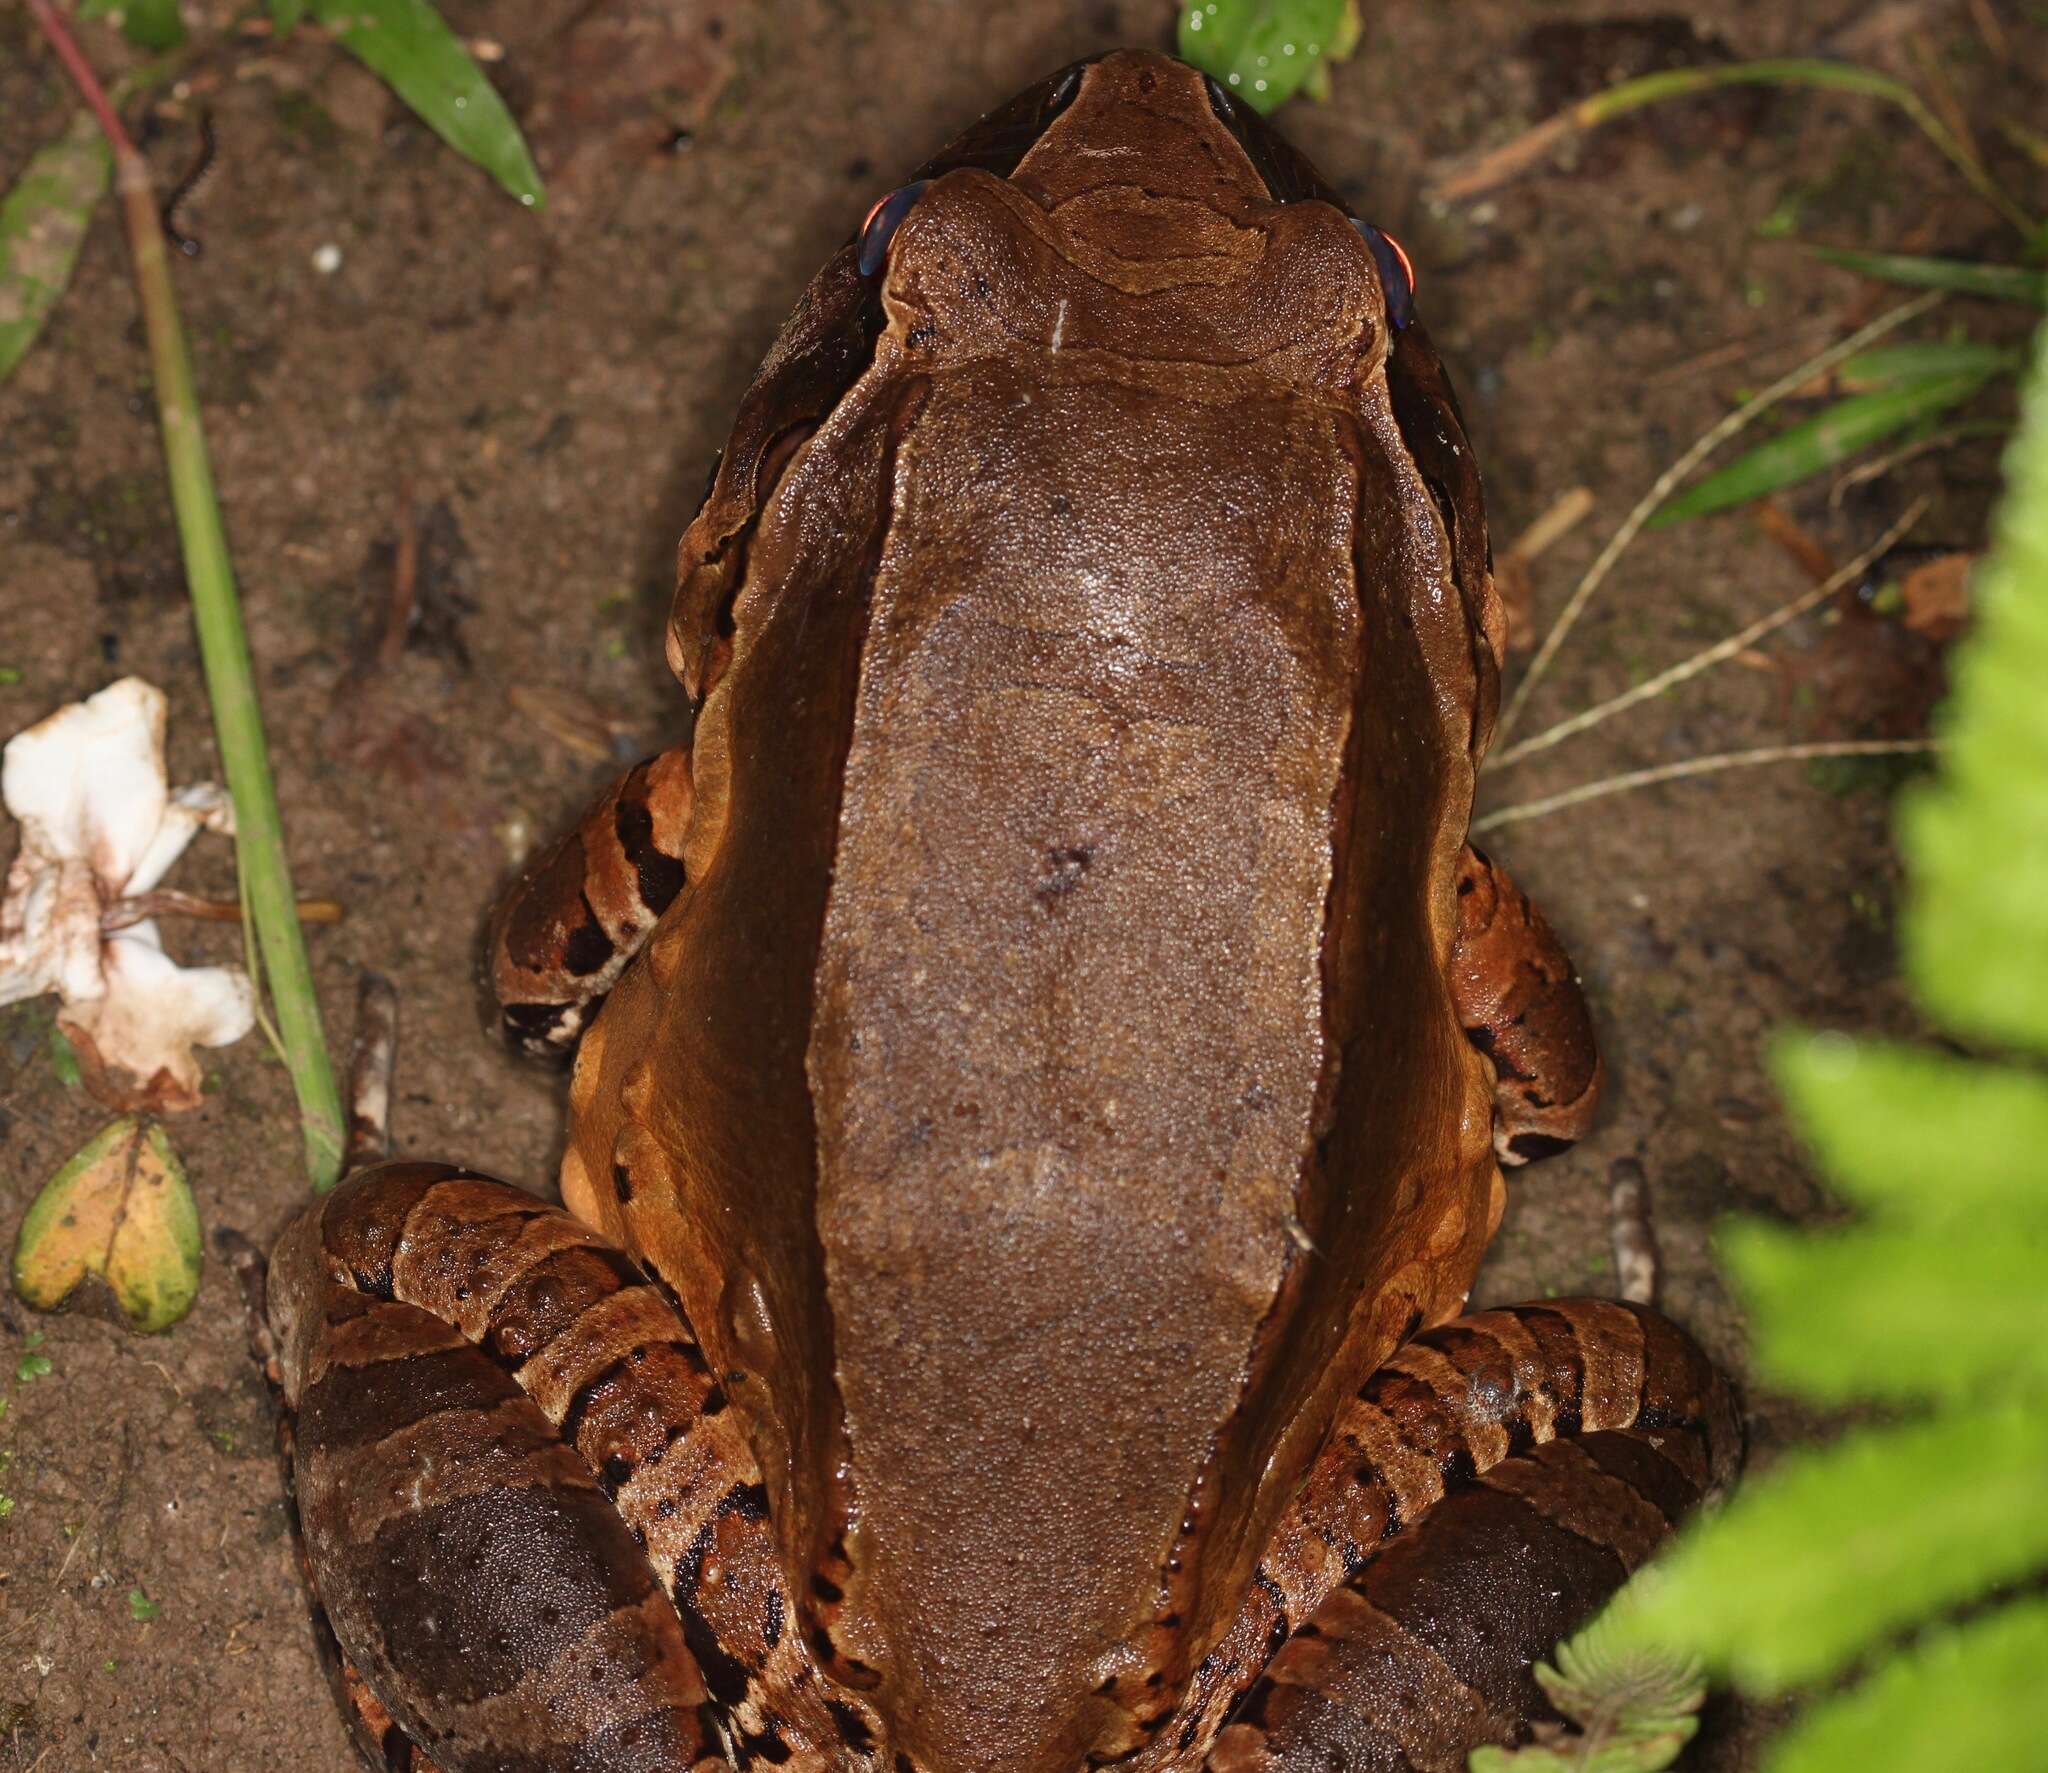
pixel 1130 205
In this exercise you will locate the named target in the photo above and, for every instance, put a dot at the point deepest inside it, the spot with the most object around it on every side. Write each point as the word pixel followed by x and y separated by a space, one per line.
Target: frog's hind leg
pixel 1521 1005
pixel 581 909
pixel 1478 1501
pixel 538 1534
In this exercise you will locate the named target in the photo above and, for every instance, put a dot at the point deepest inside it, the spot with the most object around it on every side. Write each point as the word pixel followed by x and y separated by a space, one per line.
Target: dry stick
pixel 1633 1235
pixel 1725 649
pixel 1876 469
pixel 370 1067
pixel 1667 483
pixel 223 643
pixel 124 914
pixel 1699 766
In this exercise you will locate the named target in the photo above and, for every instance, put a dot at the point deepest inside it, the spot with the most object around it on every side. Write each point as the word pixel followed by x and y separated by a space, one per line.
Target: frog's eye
pixel 1397 275
pixel 880 227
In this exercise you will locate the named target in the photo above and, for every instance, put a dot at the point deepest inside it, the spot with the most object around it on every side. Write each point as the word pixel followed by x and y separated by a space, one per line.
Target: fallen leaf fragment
pixel 1937 596
pixel 99 823
pixel 120 1212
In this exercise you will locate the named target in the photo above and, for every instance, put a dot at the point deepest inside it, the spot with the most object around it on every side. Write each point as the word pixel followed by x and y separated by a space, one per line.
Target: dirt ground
pixel 547 390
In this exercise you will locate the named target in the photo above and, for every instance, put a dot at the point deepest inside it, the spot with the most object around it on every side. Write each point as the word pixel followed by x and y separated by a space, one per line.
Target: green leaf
pixel 42 225
pixel 2007 283
pixel 64 1059
pixel 1261 50
pixel 1821 442
pixel 1890 365
pixel 285 15
pixel 1894 1313
pixel 1976 837
pixel 148 24
pixel 424 62
pixel 141 1608
pixel 33 1366
pixel 1918 1138
pixel 1964 1696
pixel 1841 1546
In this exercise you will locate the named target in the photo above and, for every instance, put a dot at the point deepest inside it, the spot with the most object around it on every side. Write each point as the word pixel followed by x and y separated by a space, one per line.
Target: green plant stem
pixel 1631 95
pixel 1513 158
pixel 223 642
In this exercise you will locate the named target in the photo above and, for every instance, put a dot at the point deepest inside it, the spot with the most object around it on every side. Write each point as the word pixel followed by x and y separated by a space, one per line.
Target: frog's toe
pixel 1522 1006
pixel 580 911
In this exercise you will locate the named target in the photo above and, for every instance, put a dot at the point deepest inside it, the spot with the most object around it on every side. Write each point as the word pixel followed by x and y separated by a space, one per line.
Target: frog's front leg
pixel 581 909
pixel 1478 1501
pixel 535 1531
pixel 1520 1003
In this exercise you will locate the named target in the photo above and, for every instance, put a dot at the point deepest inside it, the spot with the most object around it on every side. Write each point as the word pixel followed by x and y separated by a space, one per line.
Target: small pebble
pixel 327 259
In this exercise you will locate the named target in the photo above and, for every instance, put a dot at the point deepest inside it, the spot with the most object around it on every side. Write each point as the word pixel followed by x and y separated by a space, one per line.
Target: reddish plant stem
pixel 51 23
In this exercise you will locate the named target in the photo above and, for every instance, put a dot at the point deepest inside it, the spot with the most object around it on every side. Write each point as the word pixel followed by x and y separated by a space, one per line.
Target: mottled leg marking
pixel 539 1537
pixel 1483 1494
pixel 582 908
pixel 1521 1005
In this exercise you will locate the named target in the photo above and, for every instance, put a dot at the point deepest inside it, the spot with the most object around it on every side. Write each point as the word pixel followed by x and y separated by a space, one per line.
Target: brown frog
pixel 1021 1188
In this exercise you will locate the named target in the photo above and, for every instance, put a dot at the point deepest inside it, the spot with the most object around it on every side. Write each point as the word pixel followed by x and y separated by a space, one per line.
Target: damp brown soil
pixel 378 330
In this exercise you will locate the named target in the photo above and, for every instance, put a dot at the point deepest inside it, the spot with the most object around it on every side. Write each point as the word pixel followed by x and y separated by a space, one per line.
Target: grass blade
pixel 42 225
pixel 223 642
pixel 408 44
pixel 1821 442
pixel 2005 283
pixel 1892 365
pixel 1797 71
pixel 1260 49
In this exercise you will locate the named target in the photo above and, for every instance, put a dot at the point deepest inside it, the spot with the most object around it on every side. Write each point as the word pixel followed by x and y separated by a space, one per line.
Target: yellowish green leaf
pixel 120 1212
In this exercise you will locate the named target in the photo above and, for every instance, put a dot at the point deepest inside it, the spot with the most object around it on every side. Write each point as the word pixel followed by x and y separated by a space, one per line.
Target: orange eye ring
pixel 880 226
pixel 1407 264
pixel 1397 272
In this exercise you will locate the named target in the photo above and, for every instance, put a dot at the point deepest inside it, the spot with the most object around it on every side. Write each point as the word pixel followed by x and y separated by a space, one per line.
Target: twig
pixel 124 914
pixel 1566 513
pixel 1851 478
pixel 1635 1240
pixel 1667 483
pixel 1739 641
pixel 371 1062
pixel 223 643
pixel 1698 766
pixel 405 577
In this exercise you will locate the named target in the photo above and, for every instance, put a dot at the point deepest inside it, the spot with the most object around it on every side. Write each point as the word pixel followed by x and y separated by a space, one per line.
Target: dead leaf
pixel 1937 596
pixel 121 1213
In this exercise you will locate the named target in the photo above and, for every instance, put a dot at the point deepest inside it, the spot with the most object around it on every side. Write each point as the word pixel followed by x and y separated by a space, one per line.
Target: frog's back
pixel 1051 1061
